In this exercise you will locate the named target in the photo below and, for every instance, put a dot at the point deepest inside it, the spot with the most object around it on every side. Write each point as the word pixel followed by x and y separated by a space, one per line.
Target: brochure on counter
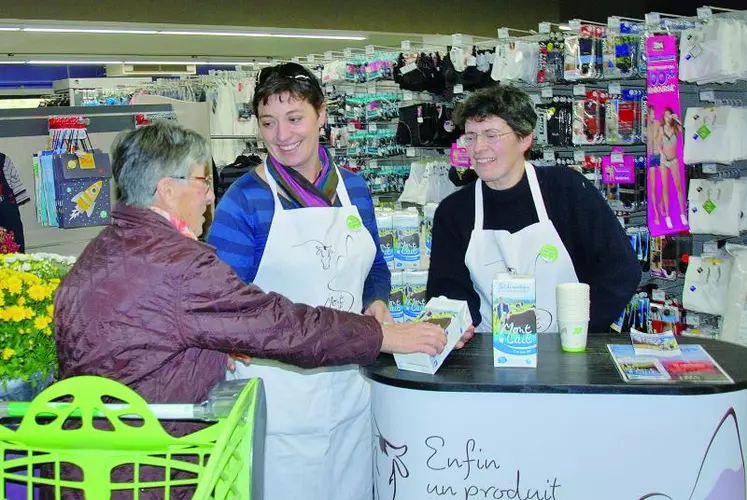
pixel 693 365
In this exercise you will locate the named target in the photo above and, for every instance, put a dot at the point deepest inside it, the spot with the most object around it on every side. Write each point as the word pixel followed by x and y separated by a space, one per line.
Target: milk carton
pixel 454 317
pixel 514 321
pixel 415 284
pixel 406 239
pixel 429 210
pixel 385 225
pixel 397 297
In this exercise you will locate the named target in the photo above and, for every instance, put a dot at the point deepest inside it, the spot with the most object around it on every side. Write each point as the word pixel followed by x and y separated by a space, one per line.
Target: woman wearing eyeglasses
pixel 548 222
pixel 300 226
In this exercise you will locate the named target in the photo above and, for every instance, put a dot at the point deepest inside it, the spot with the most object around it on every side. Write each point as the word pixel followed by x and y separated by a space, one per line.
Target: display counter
pixel 570 429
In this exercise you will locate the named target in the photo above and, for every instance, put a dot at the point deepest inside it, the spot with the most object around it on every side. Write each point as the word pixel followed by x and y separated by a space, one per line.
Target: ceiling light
pixel 165 63
pixel 321 37
pixel 12 62
pixel 8 28
pixel 564 27
pixel 94 63
pixel 212 33
pixel 221 63
pixel 91 30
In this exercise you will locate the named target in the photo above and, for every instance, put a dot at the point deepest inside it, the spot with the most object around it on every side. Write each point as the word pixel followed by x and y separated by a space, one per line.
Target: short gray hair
pixel 504 101
pixel 142 157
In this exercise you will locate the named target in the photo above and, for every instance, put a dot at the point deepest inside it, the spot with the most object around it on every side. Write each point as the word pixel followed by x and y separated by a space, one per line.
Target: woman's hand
pixel 466 337
pixel 232 358
pixel 379 310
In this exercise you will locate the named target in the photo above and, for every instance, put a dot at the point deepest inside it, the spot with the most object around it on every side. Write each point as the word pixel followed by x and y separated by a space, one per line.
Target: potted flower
pixel 28 356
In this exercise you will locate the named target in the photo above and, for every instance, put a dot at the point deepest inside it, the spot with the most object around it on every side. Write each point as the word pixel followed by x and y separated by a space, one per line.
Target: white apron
pixel 537 249
pixel 319 437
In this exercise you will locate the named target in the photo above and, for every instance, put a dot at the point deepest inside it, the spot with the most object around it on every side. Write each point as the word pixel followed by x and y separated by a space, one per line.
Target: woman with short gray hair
pixel 547 222
pixel 150 306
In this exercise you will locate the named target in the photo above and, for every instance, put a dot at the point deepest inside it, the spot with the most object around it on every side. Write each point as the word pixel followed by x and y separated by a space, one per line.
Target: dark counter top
pixel 593 372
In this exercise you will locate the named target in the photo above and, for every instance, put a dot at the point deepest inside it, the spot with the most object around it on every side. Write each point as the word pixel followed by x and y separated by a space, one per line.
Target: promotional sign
pixel 667 209
pixel 501 446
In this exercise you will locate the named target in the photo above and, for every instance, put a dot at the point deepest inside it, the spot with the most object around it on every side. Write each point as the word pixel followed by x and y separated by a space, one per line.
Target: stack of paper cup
pixel 573 306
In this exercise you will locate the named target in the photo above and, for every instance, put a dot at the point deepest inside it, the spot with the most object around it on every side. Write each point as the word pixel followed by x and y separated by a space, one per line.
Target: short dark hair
pixel 288 78
pixel 504 101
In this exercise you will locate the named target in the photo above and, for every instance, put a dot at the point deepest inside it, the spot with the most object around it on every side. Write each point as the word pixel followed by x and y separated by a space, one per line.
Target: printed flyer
pixel 667 207
pixel 694 365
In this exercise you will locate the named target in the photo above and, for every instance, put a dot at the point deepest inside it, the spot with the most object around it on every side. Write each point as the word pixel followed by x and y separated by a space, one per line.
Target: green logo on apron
pixel 549 253
pixel 703 131
pixel 353 222
pixel 709 206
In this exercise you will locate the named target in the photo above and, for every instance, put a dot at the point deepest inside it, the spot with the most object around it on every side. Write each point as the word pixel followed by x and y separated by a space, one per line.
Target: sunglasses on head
pixel 290 71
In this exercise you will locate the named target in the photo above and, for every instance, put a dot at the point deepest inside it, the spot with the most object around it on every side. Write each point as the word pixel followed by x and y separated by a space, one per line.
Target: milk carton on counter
pixel 514 321
pixel 454 317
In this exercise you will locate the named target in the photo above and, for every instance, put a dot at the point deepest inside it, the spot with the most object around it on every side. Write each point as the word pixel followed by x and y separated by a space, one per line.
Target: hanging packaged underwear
pixel 707 284
pixel 418 125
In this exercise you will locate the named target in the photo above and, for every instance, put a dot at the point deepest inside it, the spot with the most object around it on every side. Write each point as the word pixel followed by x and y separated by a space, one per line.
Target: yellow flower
pixel 21 301
pixel 8 353
pixel 14 285
pixel 47 332
pixel 50 310
pixel 2 299
pixel 41 322
pixel 37 293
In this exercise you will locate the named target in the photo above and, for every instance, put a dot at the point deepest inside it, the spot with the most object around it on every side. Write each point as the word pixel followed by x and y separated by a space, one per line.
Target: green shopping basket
pixel 57 435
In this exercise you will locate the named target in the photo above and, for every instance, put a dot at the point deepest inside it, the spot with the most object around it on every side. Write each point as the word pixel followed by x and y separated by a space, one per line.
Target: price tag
pixel 613 23
pixel 575 25
pixel 546 93
pixel 456 39
pixel 502 33
pixel 328 55
pixel 296 59
pixel 408 68
pixel 310 58
pixel 710 168
pixel 579 90
pixel 458 88
pixel 658 295
pixel 86 161
pixel 579 155
pixel 410 152
pixel 548 155
pixel 370 50
pixel 407 95
pixel 372 127
pixel 705 13
pixel 348 53
pixel 536 99
pixel 405 45
pixel 617 157
pixel 653 19
pixel 707 95
pixel 710 247
pixel 544 27
pixel 373 164
pixel 614 88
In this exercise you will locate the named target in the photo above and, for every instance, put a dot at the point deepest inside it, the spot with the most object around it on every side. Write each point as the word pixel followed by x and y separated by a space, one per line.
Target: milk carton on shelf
pixel 406 239
pixel 385 224
pixel 454 317
pixel 514 321
pixel 397 297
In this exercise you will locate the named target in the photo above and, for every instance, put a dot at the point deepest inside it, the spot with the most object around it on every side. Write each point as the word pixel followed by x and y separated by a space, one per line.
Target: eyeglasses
pixel 207 180
pixel 490 136
pixel 291 71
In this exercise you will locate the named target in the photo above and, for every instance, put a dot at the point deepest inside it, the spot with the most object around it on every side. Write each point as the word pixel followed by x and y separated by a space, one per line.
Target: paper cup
pixel 573 335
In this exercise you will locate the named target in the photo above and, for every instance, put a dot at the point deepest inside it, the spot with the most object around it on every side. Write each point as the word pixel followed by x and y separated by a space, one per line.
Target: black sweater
pixel 599 248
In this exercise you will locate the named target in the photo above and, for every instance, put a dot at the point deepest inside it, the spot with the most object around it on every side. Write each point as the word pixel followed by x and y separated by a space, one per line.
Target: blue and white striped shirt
pixel 244 216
